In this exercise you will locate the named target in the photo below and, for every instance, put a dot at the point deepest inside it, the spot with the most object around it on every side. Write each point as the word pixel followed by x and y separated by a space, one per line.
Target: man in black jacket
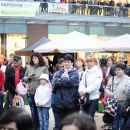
pixel 13 76
pixel 121 59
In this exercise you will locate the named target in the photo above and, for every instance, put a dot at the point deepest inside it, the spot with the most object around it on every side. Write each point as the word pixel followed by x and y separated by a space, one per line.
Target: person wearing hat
pixel 13 76
pixel 43 101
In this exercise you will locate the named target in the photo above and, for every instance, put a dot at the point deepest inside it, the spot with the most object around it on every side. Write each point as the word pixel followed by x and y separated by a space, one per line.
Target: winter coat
pixel 93 79
pixel 119 88
pixel 10 78
pixel 66 89
pixel 33 83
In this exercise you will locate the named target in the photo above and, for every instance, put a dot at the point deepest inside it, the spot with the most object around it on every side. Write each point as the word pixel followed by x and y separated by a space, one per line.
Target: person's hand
pixel 82 97
pixel 65 74
pixel 39 104
pixel 16 91
pixel 81 93
pixel 112 95
pixel 50 86
pixel 30 76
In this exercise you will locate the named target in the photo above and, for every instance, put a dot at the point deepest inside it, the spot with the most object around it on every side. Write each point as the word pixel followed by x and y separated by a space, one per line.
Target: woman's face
pixel 109 62
pixel 10 126
pixel 68 64
pixel 79 63
pixel 70 127
pixel 90 64
pixel 119 72
pixel 35 60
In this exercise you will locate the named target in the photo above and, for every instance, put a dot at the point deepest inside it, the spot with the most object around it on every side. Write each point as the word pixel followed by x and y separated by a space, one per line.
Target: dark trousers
pixel 65 112
pixel 56 116
pixel 91 107
pixel 1 102
pixel 6 106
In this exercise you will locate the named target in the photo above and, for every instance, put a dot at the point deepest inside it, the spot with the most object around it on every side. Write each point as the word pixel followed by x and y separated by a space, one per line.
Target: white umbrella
pixel 72 42
pixel 117 44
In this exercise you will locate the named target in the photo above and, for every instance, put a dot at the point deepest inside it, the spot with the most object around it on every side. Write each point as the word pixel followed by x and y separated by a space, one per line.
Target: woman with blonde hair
pixel 90 84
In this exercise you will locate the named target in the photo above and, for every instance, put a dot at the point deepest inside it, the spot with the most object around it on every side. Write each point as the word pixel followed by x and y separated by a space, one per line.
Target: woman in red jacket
pixel 2 80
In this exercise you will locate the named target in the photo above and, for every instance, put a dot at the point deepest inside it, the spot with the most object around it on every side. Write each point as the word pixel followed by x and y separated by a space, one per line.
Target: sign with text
pixel 58 8
pixel 25 9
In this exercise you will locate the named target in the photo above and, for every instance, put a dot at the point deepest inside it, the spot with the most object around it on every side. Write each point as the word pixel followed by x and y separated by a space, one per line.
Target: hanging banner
pixel 58 8
pixel 26 9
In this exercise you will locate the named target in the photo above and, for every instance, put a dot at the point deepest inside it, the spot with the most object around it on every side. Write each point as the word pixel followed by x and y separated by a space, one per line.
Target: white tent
pixel 121 43
pixel 72 42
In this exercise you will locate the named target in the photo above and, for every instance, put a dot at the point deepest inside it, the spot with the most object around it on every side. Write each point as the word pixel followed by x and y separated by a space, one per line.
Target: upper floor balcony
pixel 83 12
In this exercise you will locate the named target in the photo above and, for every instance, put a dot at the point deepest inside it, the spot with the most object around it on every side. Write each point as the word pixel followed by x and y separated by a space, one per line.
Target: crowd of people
pixel 73 91
pixel 93 7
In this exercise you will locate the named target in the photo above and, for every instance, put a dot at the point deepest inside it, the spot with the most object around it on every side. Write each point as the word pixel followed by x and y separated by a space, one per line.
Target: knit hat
pixel 44 76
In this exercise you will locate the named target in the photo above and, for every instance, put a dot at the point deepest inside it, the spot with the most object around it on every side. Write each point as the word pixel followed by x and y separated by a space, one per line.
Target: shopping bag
pixel 21 88
pixel 18 101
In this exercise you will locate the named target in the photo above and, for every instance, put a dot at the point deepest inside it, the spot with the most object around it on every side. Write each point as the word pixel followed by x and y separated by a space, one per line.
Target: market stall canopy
pixel 72 42
pixel 118 44
pixel 28 50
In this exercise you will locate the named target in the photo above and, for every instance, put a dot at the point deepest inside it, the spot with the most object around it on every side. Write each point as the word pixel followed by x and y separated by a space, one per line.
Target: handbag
pixel 21 88
pixel 18 101
pixel 107 117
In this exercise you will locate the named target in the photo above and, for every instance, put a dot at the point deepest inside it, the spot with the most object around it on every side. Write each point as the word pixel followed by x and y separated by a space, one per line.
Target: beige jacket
pixel 119 88
pixel 33 83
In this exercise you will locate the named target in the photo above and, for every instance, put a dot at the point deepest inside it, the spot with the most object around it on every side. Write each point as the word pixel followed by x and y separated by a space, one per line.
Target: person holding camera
pixel 35 68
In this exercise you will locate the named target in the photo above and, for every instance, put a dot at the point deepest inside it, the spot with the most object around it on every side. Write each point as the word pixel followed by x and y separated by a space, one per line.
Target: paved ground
pixel 97 119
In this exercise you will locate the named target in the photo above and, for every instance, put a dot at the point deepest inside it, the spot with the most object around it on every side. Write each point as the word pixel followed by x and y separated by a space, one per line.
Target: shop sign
pixel 26 9
pixel 58 8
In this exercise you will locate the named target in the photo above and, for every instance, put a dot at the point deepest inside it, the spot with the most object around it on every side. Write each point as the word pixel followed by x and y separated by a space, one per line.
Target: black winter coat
pixel 10 79
pixel 125 114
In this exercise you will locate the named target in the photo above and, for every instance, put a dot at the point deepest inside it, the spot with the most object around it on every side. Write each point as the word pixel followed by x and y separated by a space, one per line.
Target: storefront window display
pixel 15 42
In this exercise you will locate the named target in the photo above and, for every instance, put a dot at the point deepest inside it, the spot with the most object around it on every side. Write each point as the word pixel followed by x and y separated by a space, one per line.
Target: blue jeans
pixel 91 108
pixel 118 120
pixel 43 113
pixel 33 109
pixel 1 102
pixel 56 116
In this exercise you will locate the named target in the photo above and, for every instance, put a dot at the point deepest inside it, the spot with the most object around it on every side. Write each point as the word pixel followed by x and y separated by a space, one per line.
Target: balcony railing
pixel 80 9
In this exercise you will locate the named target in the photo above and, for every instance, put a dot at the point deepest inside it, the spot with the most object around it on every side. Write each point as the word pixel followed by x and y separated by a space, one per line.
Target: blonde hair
pixel 93 58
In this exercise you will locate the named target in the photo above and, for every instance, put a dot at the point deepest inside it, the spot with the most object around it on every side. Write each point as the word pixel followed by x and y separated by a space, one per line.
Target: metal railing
pixel 77 8
pixel 80 9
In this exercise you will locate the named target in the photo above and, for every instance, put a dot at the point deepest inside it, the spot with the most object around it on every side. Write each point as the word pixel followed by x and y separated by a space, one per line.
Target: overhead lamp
pixel 111 24
pixel 125 25
pixel 73 23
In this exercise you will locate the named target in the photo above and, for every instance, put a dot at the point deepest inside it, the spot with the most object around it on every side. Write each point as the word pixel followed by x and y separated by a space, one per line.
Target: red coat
pixel 2 79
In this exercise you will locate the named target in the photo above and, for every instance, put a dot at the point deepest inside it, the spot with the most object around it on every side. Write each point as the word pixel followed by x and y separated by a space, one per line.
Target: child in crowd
pixel 43 101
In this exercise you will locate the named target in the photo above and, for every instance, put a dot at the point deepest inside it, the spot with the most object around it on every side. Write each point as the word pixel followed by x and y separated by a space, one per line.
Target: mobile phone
pixel 32 74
